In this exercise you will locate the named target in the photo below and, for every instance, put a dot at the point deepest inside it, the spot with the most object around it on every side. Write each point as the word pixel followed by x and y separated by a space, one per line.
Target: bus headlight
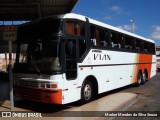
pixel 48 85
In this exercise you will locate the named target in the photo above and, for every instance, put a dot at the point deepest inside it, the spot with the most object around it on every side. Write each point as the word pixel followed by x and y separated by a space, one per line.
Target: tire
pixel 86 92
pixel 144 78
pixel 139 81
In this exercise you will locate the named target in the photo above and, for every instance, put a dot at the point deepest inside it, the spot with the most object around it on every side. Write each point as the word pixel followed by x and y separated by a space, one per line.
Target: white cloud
pixel 113 11
pixel 128 27
pixel 108 18
pixel 156 32
pixel 117 9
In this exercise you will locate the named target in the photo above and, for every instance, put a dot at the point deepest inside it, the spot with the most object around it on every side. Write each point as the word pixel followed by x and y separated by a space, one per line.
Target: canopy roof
pixel 33 9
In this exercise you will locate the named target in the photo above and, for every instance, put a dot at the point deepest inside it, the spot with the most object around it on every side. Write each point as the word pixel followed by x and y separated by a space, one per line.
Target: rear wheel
pixel 86 92
pixel 139 81
pixel 145 77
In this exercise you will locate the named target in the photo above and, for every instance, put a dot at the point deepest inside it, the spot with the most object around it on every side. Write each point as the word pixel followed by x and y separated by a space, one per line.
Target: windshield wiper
pixel 35 65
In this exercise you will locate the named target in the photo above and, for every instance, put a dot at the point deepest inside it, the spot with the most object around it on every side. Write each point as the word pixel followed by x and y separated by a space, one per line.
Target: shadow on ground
pixel 50 108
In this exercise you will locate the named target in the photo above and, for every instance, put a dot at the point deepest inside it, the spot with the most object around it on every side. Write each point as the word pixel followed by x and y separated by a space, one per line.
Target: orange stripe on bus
pixel 141 58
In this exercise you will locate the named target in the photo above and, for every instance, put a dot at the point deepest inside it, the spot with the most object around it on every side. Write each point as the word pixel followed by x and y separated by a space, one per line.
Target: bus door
pixel 71 70
pixel 71 59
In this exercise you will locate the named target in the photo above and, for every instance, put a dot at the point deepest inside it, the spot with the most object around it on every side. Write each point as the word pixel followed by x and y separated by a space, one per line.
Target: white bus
pixel 158 58
pixel 66 58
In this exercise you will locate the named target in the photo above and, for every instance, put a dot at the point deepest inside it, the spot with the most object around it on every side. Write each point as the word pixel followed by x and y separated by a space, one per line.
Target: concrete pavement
pixel 112 102
pixel 149 99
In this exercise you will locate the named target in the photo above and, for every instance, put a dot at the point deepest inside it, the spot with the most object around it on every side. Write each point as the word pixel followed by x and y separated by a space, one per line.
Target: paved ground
pixel 4 91
pixel 149 98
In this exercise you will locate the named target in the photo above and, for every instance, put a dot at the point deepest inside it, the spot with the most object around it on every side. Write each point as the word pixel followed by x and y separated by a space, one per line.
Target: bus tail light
pixel 55 86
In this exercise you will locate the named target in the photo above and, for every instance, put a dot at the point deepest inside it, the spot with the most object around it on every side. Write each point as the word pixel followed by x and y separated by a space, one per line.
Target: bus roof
pixel 83 18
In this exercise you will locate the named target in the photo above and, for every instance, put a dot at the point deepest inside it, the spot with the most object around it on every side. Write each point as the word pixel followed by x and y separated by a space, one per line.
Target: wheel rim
pixel 87 92
pixel 139 79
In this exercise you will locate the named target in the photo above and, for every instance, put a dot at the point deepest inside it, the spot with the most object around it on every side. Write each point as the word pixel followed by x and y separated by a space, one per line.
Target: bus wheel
pixel 144 78
pixel 139 79
pixel 86 92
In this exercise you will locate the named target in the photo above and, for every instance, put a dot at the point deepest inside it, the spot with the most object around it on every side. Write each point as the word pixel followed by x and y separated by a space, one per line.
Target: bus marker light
pixel 54 86
pixel 65 89
pixel 81 68
pixel 79 87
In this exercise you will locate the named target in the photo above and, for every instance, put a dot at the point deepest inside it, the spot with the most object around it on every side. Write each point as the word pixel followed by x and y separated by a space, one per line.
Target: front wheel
pixel 86 92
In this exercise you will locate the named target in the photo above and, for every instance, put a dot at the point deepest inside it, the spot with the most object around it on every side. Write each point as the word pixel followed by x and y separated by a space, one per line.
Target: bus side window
pixel 121 40
pixel 142 46
pixel 145 47
pixel 128 42
pixel 114 40
pixel 107 38
pixel 139 46
pixel 92 35
pixel 103 42
pixel 149 47
pixel 95 38
pixel 134 43
pixel 152 48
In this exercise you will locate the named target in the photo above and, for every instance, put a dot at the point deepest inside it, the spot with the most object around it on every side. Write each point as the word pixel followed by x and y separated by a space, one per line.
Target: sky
pixel 118 13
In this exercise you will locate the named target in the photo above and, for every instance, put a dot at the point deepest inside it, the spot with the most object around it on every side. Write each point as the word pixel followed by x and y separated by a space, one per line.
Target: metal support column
pixel 10 74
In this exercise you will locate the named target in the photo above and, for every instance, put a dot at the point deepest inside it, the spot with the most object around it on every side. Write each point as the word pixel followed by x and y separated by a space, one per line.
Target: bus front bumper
pixel 39 95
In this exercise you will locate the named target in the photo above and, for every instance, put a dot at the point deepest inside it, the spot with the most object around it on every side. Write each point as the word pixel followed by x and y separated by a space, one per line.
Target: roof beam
pixel 33 9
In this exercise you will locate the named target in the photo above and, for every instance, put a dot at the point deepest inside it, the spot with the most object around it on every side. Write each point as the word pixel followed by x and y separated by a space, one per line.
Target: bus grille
pixel 29 93
pixel 28 83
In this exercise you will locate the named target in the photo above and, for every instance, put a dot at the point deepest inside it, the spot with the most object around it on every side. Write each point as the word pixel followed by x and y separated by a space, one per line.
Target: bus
pixel 66 58
pixel 158 58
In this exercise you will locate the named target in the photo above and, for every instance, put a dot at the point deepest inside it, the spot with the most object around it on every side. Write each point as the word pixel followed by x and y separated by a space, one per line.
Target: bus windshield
pixel 39 47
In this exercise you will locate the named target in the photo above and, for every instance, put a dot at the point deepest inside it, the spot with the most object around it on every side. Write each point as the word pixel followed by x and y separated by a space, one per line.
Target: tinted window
pixel 75 28
pixel 128 42
pixel 121 40
pixel 95 36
